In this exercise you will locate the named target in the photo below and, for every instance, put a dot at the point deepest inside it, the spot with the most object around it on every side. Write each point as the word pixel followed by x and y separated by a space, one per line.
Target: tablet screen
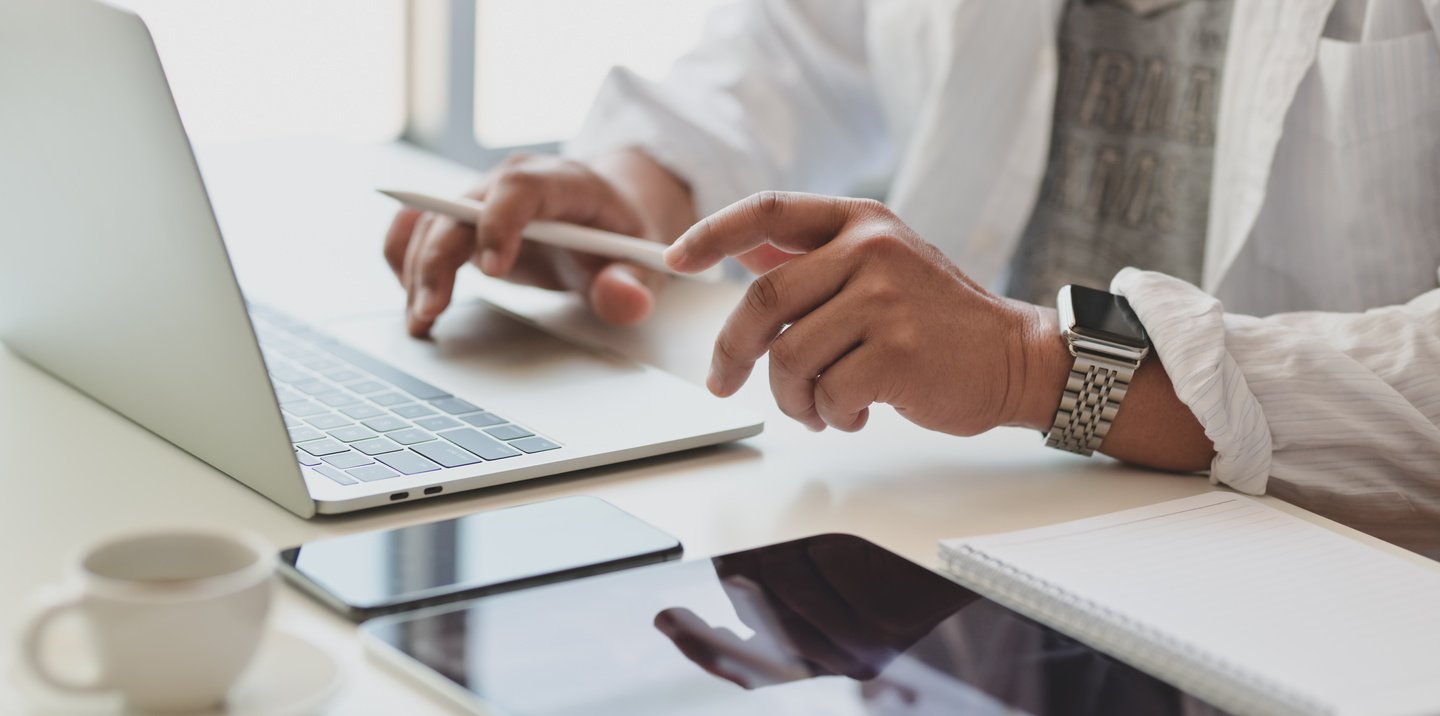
pixel 825 625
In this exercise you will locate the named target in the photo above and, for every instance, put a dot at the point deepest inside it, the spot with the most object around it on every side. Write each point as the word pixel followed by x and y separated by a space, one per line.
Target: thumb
pixel 623 294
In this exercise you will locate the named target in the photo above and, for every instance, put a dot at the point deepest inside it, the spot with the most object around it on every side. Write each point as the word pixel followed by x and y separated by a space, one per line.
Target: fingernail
pixel 490 262
pixel 421 307
pixel 627 275
pixel 674 255
pixel 712 381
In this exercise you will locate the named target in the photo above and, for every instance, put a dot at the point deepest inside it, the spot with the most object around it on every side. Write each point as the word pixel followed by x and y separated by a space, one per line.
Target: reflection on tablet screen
pixel 825 625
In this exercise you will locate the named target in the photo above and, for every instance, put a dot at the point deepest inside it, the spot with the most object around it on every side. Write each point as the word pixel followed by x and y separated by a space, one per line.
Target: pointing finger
pixel 439 259
pixel 792 222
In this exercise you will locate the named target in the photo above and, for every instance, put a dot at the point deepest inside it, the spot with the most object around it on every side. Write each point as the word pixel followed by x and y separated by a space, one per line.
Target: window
pixel 538 63
pixel 467 78
pixel 245 69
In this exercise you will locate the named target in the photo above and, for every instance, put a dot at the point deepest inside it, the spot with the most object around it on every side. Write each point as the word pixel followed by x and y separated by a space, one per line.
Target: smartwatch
pixel 1109 344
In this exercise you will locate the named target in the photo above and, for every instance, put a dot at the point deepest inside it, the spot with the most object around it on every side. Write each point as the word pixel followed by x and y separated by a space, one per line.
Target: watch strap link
pixel 1092 398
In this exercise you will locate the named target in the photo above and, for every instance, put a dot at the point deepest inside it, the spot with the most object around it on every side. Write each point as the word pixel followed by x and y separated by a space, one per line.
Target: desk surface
pixel 75 472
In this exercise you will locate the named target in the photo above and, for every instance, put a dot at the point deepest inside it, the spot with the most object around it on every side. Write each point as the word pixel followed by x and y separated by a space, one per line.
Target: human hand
pixel 854 308
pixel 426 250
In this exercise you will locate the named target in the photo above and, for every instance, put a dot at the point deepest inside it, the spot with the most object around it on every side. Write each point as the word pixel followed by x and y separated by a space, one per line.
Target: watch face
pixel 1105 316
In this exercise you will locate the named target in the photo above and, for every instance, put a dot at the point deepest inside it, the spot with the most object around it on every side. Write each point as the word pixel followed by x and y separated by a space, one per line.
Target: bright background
pixel 534 86
pixel 246 69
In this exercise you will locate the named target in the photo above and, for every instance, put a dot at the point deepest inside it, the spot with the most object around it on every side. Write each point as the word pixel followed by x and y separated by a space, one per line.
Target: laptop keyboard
pixel 356 419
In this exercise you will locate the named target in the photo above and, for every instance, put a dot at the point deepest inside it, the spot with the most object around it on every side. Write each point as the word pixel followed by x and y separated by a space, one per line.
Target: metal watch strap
pixel 1093 393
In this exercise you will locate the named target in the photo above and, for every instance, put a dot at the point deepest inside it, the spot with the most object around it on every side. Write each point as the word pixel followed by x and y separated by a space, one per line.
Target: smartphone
pixel 373 573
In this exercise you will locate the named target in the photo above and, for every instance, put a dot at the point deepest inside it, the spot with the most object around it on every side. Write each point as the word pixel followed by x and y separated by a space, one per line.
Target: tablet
pixel 830 624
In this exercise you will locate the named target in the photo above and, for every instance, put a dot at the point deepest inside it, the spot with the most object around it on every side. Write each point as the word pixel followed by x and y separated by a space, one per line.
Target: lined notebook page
pixel 1261 601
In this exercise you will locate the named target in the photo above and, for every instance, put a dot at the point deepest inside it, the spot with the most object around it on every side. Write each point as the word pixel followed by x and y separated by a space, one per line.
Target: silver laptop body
pixel 114 278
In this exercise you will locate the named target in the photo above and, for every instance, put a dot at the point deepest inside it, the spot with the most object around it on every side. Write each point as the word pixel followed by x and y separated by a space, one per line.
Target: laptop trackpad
pixel 478 347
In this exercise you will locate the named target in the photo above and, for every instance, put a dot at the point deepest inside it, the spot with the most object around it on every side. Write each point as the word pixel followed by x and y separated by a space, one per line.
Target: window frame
pixel 440 47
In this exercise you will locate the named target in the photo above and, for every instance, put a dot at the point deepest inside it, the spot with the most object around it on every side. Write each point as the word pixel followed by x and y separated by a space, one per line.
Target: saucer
pixel 289 677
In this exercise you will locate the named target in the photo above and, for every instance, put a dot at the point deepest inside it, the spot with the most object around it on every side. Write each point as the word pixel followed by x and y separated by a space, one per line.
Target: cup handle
pixel 33 645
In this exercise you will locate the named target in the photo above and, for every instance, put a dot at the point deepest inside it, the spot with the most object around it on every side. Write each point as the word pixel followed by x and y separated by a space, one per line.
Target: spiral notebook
pixel 1241 604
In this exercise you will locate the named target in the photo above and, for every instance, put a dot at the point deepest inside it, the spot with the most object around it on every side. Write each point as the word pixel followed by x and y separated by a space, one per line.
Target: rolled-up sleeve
pixel 1339 412
pixel 777 96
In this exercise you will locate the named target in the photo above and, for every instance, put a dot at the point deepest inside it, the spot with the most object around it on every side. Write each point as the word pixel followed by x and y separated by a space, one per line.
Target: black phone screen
pixel 830 624
pixel 374 573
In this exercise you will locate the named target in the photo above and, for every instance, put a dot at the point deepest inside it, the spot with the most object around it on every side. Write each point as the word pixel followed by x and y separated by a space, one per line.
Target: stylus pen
pixel 559 234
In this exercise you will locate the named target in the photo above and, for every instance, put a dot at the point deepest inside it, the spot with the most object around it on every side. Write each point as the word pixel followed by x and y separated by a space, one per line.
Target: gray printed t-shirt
pixel 1128 177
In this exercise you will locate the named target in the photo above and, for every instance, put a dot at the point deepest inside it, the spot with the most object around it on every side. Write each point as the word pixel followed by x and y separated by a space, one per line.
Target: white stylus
pixel 559 234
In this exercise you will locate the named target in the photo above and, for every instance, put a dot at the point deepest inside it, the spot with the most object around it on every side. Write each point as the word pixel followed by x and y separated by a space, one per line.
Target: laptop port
pixel 433 490
pixel 399 496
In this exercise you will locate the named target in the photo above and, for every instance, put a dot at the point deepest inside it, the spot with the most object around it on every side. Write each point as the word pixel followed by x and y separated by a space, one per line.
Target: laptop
pixel 114 279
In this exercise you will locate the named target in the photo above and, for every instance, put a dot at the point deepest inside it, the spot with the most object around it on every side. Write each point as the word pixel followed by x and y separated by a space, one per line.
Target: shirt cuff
pixel 1187 332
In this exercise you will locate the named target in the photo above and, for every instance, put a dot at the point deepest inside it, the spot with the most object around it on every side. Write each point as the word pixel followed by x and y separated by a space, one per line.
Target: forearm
pixel 1152 428
pixel 662 199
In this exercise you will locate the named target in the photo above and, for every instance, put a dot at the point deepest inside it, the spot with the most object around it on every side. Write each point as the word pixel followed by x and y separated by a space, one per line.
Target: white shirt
pixel 1310 352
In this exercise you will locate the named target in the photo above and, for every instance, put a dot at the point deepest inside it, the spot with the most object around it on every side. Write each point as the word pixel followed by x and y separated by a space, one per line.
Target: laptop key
pixel 534 444
pixel 439 422
pixel 412 411
pixel 410 436
pixel 346 460
pixel 328 420
pixel 508 432
pixel 480 444
pixel 321 448
pixel 320 363
pixel 388 399
pixel 298 352
pixel 376 446
pixel 408 462
pixel 446 453
pixel 371 473
pixel 365 387
pixel 385 371
pixel 306 459
pixel 352 433
pixel 312 386
pixel 385 424
pixel 338 398
pixel 303 433
pixel 291 422
pixel 334 474
pixel 455 406
pixel 287 374
pixel 340 375
pixel 361 412
pixel 483 420
pixel 304 408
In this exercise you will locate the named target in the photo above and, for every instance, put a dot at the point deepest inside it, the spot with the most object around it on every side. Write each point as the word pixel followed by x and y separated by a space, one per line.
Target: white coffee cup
pixel 175 616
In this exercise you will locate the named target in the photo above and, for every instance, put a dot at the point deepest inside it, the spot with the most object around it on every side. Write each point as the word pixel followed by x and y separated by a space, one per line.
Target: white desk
pixel 74 471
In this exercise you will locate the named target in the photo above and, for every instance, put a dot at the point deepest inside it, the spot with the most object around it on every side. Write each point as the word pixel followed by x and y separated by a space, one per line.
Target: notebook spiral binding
pixel 1144 647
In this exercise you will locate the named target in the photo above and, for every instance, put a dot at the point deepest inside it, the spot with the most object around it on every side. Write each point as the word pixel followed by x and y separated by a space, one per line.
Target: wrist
pixel 1047 360
pixel 660 199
